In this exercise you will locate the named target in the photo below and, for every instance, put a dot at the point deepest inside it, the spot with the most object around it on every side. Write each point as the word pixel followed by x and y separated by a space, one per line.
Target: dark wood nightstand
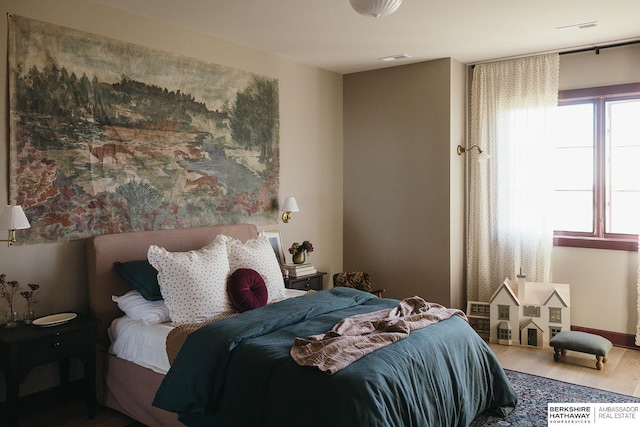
pixel 28 346
pixel 305 283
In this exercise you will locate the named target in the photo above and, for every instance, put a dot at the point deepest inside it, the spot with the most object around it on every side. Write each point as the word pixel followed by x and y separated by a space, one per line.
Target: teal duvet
pixel 238 372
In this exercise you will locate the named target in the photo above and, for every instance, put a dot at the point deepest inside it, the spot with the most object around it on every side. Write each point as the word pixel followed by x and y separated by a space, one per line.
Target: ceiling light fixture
pixel 375 8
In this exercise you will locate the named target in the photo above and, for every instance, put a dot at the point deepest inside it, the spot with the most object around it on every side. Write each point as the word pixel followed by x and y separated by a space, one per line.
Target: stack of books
pixel 297 270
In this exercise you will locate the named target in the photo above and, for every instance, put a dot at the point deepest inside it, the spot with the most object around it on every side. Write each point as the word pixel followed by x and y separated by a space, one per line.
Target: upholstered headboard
pixel 103 251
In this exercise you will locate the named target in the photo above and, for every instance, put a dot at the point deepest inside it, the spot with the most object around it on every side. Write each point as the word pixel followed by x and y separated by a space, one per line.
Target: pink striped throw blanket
pixel 356 336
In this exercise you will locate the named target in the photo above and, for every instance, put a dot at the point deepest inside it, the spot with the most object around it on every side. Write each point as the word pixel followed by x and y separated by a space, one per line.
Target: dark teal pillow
pixel 141 276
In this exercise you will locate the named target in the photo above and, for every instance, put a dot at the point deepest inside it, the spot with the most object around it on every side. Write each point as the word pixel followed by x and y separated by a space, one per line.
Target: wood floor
pixel 621 374
pixel 46 410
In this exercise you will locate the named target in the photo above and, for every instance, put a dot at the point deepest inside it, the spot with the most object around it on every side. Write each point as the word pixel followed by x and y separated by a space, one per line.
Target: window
pixel 553 331
pixel 597 167
pixel 504 334
pixel 479 309
pixel 555 315
pixel 481 326
pixel 531 311
pixel 503 312
pixel 504 331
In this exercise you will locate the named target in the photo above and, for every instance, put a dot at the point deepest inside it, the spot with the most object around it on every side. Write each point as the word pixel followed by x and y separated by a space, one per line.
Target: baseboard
pixel 618 339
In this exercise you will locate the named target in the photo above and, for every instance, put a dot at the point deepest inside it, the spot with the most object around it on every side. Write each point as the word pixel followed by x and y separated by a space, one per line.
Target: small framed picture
pixel 276 243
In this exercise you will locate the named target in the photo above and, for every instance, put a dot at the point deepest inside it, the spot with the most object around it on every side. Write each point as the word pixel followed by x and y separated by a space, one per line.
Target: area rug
pixel 534 393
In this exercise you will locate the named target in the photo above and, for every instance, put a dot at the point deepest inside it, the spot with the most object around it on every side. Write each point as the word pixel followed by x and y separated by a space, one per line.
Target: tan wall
pixel 310 146
pixel 603 282
pixel 457 185
pixel 399 210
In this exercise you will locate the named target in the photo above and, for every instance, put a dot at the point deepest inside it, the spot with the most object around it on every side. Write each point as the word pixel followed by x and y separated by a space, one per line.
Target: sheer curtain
pixel 509 226
pixel 638 288
pixel 638 322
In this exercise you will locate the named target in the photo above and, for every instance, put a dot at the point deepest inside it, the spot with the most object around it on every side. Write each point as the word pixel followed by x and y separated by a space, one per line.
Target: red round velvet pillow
pixel 246 289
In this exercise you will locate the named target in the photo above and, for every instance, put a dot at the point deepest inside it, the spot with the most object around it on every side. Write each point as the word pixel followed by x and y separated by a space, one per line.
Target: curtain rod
pixel 566 52
pixel 598 48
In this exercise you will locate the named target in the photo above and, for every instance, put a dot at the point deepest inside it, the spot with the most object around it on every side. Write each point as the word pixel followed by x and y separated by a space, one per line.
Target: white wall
pixel 310 146
pixel 603 282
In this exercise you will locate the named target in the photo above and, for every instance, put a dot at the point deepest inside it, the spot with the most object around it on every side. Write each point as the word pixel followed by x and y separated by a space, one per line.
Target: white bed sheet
pixel 140 343
pixel 145 345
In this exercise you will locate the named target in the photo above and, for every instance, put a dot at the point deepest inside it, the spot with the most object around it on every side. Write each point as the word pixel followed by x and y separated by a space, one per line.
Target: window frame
pixel 528 309
pixel 504 334
pixel 555 315
pixel 598 239
pixel 554 330
pixel 504 310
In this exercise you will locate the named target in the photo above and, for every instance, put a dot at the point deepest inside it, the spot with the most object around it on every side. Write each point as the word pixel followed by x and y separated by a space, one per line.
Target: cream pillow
pixel 193 284
pixel 256 254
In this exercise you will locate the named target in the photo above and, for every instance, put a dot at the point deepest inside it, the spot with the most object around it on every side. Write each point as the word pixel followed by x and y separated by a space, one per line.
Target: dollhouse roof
pixel 527 322
pixel 504 325
pixel 562 296
pixel 506 287
pixel 535 293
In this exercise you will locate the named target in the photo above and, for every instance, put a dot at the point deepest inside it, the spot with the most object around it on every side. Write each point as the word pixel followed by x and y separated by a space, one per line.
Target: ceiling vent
pixel 582 26
pixel 395 57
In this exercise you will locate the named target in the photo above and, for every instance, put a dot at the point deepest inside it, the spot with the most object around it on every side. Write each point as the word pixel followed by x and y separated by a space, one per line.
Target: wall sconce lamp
pixel 482 155
pixel 289 205
pixel 12 218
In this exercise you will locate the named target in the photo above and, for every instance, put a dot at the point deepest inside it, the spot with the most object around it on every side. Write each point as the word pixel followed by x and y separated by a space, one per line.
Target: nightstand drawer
pixel 54 346
pixel 27 346
pixel 305 283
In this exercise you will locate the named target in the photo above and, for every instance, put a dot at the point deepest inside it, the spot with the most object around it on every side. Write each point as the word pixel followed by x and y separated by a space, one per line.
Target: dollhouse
pixel 522 313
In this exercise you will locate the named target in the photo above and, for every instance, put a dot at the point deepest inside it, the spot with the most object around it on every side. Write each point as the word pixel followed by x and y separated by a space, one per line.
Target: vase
pixel 298 257
pixel 29 316
pixel 11 318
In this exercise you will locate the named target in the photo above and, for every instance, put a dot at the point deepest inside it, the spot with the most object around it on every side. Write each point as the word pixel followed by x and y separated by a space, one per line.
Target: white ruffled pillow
pixel 256 254
pixel 134 305
pixel 193 284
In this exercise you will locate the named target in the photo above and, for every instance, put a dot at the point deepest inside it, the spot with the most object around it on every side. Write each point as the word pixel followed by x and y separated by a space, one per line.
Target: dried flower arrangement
pixel 8 289
pixel 305 246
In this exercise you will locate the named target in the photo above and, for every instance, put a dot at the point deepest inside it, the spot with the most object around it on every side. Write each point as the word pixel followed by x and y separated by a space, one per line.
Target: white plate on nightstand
pixel 54 319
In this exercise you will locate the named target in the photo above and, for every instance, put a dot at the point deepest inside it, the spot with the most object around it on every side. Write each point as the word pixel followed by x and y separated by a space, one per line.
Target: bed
pixel 239 370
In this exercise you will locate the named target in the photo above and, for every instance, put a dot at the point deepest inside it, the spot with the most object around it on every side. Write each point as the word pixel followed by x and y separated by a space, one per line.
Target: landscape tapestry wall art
pixel 109 137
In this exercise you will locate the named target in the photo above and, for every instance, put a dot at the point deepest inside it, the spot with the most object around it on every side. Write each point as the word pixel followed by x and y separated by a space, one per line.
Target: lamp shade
pixel 13 218
pixel 375 8
pixel 484 156
pixel 290 205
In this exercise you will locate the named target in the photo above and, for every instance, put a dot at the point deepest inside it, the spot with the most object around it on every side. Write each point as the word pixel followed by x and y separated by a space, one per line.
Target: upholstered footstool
pixel 582 342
